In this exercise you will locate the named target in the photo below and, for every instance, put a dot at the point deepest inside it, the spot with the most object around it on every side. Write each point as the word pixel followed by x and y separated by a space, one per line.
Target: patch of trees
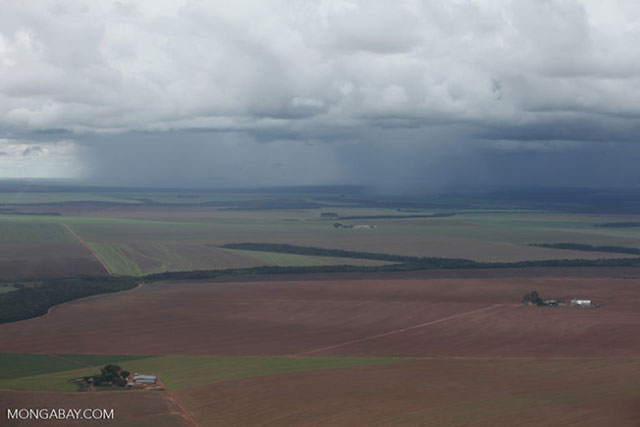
pixel 32 301
pixel 110 376
pixel 618 224
pixel 341 225
pixel 589 248
pixel 533 298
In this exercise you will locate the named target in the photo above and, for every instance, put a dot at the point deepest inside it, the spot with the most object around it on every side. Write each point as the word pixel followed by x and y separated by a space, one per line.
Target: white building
pixel 581 302
pixel 145 379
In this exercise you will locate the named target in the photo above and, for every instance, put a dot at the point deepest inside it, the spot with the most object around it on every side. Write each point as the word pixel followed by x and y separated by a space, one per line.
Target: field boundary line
pixel 86 245
pixel 86 365
pixel 395 331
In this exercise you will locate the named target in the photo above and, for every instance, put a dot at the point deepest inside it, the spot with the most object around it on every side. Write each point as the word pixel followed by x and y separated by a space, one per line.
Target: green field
pixel 153 232
pixel 20 365
pixel 21 232
pixel 51 372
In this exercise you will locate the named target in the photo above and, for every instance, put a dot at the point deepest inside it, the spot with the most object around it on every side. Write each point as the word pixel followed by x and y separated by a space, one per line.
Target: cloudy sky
pixel 419 95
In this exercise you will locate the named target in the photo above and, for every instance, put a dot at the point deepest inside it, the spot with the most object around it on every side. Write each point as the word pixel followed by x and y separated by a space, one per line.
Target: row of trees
pixel 32 301
pixel 589 248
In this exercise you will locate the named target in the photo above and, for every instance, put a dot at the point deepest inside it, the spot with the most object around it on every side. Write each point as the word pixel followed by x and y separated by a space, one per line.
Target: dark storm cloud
pixel 409 94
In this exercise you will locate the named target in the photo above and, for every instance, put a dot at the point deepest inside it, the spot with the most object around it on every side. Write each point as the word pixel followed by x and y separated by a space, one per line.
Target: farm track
pixel 396 331
pixel 86 245
pixel 183 413
pixel 86 365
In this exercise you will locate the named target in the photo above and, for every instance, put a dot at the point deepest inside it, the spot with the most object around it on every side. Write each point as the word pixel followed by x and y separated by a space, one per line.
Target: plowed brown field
pixel 384 317
pixel 46 260
pixel 435 392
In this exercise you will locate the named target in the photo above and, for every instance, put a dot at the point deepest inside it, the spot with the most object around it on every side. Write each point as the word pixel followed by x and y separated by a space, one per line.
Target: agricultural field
pixel 461 317
pixel 371 349
pixel 144 240
pixel 441 347
pixel 34 249
pixel 53 372
pixel 434 392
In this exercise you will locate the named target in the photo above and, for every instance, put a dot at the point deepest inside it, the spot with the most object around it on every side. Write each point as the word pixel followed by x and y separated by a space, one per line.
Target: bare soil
pixel 445 392
pixel 46 260
pixel 370 317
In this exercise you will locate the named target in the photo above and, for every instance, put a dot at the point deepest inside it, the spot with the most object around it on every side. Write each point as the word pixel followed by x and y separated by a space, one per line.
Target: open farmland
pixel 444 349
pixel 441 347
pixel 53 372
pixel 385 350
pixel 368 317
pixel 478 236
pixel 438 392
pixel 136 233
pixel 35 249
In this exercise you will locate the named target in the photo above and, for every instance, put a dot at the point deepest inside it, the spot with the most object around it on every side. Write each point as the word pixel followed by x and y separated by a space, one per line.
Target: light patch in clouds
pixel 29 159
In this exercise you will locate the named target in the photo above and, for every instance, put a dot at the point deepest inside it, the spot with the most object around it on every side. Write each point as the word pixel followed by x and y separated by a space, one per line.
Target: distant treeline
pixel 618 224
pixel 421 263
pixel 284 248
pixel 589 248
pixel 9 212
pixel 27 302
pixel 435 215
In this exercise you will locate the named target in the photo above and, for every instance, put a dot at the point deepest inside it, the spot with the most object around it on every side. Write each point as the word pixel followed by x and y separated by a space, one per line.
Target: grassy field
pixel 21 232
pixel 19 365
pixel 136 237
pixel 53 372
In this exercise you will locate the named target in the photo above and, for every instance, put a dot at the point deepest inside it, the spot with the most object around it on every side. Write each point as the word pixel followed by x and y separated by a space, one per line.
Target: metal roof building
pixel 145 379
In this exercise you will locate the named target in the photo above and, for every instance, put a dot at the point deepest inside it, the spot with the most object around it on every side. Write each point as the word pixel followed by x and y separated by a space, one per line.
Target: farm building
pixel 145 379
pixel 581 302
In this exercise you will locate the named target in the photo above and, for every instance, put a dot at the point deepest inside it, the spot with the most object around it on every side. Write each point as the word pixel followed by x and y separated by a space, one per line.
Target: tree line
pixel 35 301
pixel 589 248
pixel 26 302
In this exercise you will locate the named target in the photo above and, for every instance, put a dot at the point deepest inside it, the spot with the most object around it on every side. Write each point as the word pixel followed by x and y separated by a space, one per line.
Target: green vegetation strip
pixel 42 372
pixel 589 248
pixel 20 232
pixel 35 301
pixel 618 224
pixel 18 365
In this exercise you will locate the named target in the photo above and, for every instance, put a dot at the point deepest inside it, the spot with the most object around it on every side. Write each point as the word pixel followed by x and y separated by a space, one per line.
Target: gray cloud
pixel 365 86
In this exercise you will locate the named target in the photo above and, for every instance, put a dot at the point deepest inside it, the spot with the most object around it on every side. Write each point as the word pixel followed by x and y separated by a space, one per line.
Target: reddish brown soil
pixel 430 393
pixel 91 251
pixel 131 408
pixel 47 259
pixel 409 317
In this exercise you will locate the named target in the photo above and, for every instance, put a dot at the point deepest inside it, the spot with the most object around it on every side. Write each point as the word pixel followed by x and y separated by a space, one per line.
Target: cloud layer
pixel 522 74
